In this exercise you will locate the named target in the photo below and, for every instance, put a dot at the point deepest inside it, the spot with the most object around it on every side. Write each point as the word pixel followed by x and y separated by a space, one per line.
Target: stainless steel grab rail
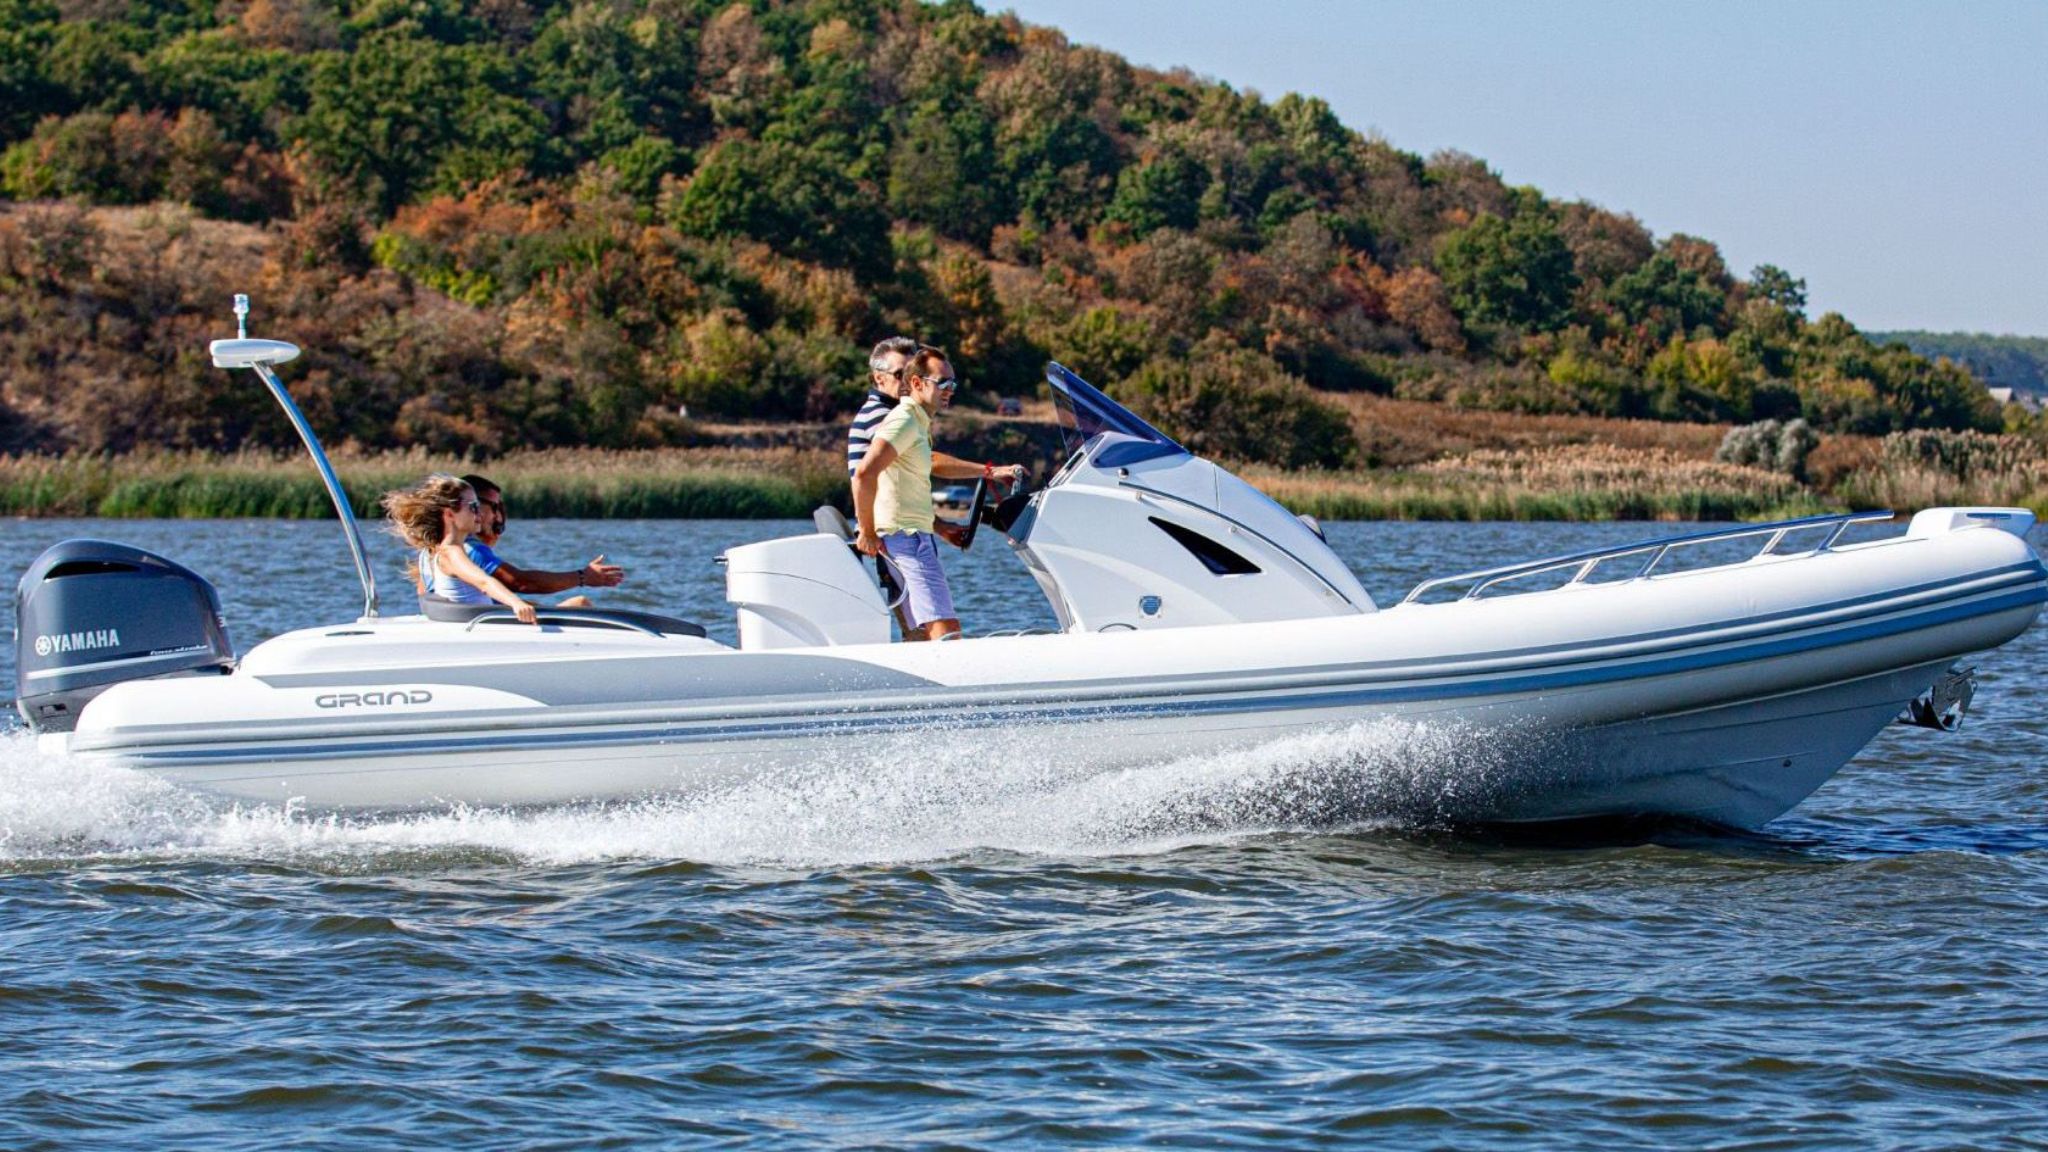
pixel 573 616
pixel 1587 561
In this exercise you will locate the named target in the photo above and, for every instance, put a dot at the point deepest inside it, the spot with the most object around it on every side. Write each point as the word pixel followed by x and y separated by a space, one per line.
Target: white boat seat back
pixel 804 591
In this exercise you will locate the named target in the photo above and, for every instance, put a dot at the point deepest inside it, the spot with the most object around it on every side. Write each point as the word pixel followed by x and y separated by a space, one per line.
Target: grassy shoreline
pixel 1555 483
pixel 691 484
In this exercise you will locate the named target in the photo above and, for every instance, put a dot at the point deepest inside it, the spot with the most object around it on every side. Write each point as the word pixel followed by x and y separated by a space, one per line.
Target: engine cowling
pixel 89 614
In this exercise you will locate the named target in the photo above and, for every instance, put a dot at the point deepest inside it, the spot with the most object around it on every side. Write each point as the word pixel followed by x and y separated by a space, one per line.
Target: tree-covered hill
pixel 2018 362
pixel 504 223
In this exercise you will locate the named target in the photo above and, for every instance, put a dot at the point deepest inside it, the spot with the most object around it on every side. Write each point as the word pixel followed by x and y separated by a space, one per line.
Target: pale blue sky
pixel 1893 154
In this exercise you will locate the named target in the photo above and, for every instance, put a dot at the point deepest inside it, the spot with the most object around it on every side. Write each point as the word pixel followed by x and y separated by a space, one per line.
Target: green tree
pixel 1317 141
pixel 608 77
pixel 1050 147
pixel 1848 384
pixel 97 65
pixel 1513 272
pixel 1666 299
pixel 26 94
pixel 402 114
pixel 641 163
pixel 1165 192
pixel 93 156
pixel 1772 283
pixel 1702 380
pixel 1938 395
pixel 942 171
pixel 250 92
pixel 834 113
pixel 442 21
pixel 1234 403
pixel 1103 345
pixel 784 195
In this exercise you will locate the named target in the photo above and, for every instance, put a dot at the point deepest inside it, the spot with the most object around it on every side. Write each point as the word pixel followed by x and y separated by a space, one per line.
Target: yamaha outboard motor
pixel 90 614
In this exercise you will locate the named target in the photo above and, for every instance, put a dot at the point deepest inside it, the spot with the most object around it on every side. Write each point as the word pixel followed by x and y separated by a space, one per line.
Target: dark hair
pixel 480 485
pixel 921 362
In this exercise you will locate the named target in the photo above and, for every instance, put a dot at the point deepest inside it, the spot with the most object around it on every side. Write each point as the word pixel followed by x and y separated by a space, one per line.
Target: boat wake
pixel 932 794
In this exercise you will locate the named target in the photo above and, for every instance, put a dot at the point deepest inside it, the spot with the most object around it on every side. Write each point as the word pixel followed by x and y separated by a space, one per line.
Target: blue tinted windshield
pixel 1084 411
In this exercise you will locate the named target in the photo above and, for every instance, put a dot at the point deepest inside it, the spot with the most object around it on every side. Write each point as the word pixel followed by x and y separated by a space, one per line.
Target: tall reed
pixel 1927 469
pixel 1548 482
pixel 1567 482
pixel 672 484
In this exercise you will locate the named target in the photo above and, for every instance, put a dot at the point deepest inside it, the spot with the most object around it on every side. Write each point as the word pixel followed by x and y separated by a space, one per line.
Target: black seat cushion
pixel 449 612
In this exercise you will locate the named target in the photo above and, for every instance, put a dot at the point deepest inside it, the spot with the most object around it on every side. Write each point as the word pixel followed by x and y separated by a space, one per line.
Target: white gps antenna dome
pixel 242 352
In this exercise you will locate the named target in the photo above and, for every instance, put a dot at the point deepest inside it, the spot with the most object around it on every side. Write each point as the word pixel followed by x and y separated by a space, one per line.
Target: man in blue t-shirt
pixel 525 581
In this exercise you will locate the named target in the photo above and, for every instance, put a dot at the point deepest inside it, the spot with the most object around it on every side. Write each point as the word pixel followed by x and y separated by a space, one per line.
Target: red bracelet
pixel 988 470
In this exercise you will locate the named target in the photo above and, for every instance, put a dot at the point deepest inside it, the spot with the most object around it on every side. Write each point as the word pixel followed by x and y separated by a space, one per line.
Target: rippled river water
pixel 955 950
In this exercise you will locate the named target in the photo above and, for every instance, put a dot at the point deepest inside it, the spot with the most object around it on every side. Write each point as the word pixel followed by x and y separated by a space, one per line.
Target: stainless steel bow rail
pixel 1657 550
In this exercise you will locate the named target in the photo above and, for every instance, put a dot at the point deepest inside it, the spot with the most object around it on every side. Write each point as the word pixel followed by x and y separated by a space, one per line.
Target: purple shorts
pixel 925 595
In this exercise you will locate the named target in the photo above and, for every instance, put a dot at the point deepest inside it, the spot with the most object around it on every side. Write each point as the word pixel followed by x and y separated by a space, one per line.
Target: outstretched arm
pixel 954 468
pixel 596 574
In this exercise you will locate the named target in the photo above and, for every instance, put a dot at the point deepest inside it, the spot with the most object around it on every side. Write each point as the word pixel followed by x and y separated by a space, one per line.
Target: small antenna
pixel 241 316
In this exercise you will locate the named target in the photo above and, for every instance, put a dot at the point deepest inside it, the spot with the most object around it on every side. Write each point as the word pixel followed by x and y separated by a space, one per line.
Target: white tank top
pixel 448 587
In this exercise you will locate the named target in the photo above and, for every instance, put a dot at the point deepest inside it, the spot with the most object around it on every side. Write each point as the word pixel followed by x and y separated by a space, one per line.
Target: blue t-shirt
pixel 480 554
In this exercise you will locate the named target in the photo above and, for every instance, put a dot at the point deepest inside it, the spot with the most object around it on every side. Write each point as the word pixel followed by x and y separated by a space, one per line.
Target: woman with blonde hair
pixel 436 517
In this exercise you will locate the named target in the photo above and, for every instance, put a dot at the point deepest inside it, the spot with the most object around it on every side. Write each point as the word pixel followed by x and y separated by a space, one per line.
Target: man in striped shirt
pixel 885 383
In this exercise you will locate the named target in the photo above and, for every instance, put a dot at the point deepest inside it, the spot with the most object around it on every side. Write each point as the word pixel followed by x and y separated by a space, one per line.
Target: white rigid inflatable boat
pixel 1667 679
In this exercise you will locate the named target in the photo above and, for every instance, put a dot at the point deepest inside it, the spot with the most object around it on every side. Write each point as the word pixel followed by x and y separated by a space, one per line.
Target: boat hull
pixel 1734 742
pixel 1493 761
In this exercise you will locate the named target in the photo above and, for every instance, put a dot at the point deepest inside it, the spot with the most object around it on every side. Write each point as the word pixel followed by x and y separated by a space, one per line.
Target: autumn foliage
pixel 503 225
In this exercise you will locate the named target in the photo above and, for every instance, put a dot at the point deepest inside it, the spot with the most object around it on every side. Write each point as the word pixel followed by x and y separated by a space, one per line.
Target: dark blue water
pixel 956 948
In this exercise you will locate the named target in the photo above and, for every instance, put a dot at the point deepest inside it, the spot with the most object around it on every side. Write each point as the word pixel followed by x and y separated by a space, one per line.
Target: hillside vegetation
pixel 502 224
pixel 2019 362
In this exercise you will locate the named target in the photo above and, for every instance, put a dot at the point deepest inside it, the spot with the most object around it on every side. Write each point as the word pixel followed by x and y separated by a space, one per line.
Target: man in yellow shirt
pixel 892 495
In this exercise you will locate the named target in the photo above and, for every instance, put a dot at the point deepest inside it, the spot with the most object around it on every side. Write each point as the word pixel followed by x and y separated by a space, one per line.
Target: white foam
pixel 927 795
